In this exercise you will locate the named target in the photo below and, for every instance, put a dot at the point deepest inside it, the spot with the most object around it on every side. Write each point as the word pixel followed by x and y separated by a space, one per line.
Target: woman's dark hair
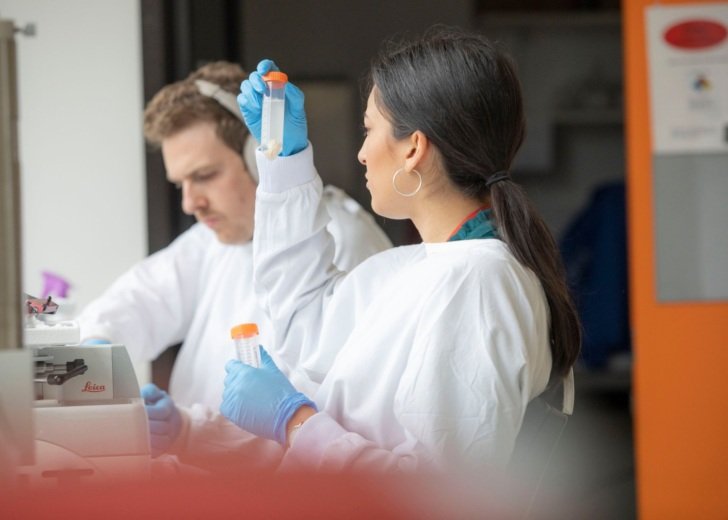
pixel 463 93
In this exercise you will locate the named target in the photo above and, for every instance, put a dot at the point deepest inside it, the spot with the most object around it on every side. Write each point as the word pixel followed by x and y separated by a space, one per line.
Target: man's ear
pixel 418 152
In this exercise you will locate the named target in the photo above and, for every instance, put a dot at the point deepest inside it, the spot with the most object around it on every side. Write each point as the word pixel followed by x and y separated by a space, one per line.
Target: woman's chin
pixel 390 213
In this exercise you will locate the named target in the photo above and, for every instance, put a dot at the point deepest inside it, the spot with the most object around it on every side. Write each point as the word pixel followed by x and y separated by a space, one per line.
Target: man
pixel 200 286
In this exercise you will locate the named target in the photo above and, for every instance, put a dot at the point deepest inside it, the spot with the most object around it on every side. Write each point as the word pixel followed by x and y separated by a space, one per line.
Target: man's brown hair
pixel 180 105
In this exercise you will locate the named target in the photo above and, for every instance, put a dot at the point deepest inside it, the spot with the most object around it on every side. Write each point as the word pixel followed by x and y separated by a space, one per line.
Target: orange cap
pixel 276 75
pixel 245 330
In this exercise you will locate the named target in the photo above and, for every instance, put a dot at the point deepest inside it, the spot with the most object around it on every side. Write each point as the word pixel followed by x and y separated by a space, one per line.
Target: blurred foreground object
pixel 268 495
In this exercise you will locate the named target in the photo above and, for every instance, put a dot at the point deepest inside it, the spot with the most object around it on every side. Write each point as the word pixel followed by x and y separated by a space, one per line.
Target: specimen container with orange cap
pixel 247 346
pixel 274 106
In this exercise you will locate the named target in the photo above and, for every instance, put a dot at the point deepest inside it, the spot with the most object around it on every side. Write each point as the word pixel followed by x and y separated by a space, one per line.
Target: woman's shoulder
pixel 487 260
pixel 384 265
pixel 396 257
pixel 471 254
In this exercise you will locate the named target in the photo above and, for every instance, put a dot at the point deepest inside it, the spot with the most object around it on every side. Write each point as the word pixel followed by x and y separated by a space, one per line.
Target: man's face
pixel 216 186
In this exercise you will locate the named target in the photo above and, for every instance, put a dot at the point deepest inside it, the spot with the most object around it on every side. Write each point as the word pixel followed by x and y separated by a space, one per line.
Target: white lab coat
pixel 194 291
pixel 427 355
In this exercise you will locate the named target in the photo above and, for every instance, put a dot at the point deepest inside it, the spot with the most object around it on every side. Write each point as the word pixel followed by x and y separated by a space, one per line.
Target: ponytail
pixel 531 242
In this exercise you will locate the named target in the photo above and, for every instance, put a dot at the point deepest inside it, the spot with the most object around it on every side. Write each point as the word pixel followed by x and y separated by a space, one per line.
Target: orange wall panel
pixel 680 349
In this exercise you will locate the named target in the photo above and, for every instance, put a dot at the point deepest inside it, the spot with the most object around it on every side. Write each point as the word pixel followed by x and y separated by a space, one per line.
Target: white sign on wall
pixel 688 77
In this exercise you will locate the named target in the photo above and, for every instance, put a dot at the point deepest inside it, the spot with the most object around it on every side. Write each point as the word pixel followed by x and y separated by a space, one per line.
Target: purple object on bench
pixel 54 285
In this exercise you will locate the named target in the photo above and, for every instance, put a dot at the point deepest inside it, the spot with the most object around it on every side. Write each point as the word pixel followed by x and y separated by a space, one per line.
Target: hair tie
pixel 498 176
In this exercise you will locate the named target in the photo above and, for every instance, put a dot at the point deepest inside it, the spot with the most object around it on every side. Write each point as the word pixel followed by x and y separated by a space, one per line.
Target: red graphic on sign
pixel 696 34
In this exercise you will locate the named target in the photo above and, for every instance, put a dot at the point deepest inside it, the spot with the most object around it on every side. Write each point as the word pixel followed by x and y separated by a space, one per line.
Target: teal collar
pixel 479 225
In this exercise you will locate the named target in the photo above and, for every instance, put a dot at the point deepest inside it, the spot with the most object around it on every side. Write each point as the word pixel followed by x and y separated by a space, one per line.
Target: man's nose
pixel 193 198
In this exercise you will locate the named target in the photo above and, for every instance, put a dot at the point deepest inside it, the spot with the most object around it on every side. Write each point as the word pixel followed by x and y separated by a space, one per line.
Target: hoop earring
pixel 412 193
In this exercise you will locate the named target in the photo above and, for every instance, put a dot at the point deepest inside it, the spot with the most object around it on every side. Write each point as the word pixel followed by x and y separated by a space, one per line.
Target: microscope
pixel 89 419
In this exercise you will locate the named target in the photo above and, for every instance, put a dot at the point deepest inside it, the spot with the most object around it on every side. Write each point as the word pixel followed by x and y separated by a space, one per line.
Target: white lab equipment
pixel 274 105
pixel 247 343
pixel 89 419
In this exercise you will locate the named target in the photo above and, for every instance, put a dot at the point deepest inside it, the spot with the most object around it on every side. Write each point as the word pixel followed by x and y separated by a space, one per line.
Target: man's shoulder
pixel 351 222
pixel 338 199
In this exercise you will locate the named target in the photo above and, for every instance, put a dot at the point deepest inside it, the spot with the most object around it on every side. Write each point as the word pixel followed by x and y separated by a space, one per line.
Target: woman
pixel 427 355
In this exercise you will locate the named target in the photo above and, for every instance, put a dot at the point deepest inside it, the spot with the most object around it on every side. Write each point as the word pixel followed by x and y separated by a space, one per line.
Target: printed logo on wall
pixel 696 34
pixel 688 75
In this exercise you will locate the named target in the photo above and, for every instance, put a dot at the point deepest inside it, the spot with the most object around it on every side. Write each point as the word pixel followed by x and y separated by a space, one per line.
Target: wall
pixel 570 69
pixel 81 146
pixel 680 348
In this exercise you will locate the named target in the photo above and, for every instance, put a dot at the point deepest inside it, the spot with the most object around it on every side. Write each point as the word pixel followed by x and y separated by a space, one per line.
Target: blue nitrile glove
pixel 260 400
pixel 96 341
pixel 250 100
pixel 165 421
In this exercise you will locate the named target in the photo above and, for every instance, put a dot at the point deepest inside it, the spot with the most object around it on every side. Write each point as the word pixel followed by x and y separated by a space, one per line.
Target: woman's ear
pixel 418 152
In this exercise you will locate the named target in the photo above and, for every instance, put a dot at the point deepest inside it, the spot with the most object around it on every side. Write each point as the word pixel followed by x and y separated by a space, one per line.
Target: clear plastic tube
pixel 247 344
pixel 274 107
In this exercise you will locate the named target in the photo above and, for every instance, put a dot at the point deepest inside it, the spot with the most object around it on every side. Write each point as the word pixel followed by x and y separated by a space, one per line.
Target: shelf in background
pixel 610 19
